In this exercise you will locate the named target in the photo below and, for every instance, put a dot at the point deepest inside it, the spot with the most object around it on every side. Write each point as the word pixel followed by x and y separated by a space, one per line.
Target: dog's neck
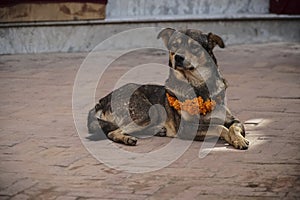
pixel 182 89
pixel 177 85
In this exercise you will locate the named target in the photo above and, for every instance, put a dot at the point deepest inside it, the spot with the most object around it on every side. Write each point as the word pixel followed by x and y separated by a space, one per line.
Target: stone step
pixel 82 36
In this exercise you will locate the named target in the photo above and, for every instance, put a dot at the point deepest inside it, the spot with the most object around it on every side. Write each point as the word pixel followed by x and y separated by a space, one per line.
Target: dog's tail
pixel 92 121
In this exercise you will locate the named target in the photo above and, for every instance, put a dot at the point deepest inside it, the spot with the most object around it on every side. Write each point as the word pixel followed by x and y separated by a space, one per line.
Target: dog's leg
pixel 158 130
pixel 216 131
pixel 236 137
pixel 232 135
pixel 236 131
pixel 122 135
pixel 119 136
pixel 134 129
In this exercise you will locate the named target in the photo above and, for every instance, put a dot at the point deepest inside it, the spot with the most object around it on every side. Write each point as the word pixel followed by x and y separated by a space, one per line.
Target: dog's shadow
pixel 96 137
pixel 217 142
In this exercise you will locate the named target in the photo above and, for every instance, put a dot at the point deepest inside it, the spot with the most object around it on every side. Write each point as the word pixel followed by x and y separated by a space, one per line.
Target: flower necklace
pixel 192 106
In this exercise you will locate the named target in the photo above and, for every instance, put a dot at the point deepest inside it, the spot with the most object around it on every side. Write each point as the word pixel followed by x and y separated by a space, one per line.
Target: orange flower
pixel 192 106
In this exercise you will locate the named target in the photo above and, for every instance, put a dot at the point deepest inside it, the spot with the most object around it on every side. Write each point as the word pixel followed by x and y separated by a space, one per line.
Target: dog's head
pixel 186 39
pixel 191 56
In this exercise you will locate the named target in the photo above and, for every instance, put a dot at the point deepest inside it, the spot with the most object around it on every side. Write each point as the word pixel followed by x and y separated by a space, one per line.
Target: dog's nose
pixel 179 58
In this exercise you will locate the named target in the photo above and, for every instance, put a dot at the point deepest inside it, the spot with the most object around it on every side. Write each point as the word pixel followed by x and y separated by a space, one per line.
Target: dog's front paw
pixel 240 143
pixel 161 132
pixel 130 140
pixel 237 139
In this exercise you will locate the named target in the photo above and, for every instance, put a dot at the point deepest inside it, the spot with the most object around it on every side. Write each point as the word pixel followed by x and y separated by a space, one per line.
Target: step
pixel 82 36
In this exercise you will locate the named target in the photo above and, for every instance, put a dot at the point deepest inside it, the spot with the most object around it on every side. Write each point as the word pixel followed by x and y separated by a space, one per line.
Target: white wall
pixel 148 8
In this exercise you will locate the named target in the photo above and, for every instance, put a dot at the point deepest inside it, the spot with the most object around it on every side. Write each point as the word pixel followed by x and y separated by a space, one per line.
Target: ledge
pixel 155 19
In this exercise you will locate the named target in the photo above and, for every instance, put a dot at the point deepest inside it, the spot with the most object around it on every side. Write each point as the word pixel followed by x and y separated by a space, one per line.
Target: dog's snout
pixel 179 58
pixel 181 62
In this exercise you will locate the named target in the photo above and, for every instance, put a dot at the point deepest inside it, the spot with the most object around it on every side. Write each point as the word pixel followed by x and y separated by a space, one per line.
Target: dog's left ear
pixel 165 34
pixel 214 40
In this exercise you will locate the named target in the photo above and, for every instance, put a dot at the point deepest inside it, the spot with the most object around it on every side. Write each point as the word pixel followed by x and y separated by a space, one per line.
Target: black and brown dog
pixel 190 105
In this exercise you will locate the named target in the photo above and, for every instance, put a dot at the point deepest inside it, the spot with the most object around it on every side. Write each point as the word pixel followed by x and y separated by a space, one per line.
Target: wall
pixel 148 8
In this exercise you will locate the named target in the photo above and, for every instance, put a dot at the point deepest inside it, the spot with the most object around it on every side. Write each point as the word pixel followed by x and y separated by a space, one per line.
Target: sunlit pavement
pixel 42 156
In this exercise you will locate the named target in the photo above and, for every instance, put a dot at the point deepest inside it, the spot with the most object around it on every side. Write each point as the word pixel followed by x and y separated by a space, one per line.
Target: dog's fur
pixel 193 72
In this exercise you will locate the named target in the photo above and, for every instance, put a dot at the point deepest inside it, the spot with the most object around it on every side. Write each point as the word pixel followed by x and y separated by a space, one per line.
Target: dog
pixel 190 105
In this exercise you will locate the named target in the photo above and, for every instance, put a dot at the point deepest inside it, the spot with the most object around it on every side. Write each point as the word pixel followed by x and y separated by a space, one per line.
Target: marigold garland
pixel 192 106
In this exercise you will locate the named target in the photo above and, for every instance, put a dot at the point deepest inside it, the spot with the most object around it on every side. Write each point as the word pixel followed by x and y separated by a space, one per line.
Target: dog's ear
pixel 165 34
pixel 214 40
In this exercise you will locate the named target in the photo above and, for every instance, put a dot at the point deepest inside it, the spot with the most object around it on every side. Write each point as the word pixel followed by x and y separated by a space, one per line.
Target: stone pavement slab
pixel 42 156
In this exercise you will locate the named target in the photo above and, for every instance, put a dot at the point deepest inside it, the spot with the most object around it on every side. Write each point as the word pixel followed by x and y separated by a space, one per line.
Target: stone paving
pixel 42 156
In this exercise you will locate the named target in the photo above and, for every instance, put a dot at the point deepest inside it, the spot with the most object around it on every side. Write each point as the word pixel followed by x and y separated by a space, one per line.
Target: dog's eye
pixel 176 45
pixel 195 50
pixel 194 46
